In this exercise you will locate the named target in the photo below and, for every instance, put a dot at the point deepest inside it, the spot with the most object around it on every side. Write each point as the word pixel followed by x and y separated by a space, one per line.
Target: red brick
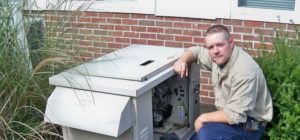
pixel 85 43
pixel 260 46
pixel 121 27
pixel 138 41
pixel 236 36
pixel 292 27
pixel 108 50
pixel 275 25
pixel 251 38
pixel 123 40
pixel 107 39
pixel 120 15
pixel 174 44
pixel 192 33
pixel 91 26
pixel 207 100
pixel 242 30
pixel 232 22
pixel 129 21
pixel 183 25
pixel 269 32
pixel 253 24
pixel 77 25
pixel 204 80
pixel 93 49
pixel 107 27
pixel 76 36
pixel 114 45
pixel 98 20
pixel 204 93
pixel 207 87
pixel 131 34
pixel 86 54
pixel 85 31
pixel 192 20
pixel 99 44
pixel 72 30
pixel 183 38
pixel 100 32
pixel 211 94
pixel 205 74
pixel 105 14
pixel 92 37
pixel 146 23
pixel 173 19
pixel 114 21
pixel 155 17
pixel 91 14
pixel 84 19
pixel 267 39
pixel 165 37
pixel 163 24
pixel 243 44
pixel 97 55
pixel 115 33
pixel 138 29
pixel 173 31
pixel 138 16
pixel 155 29
pixel 199 40
pixel 147 35
pixel 201 26
pixel 155 42
pixel 187 45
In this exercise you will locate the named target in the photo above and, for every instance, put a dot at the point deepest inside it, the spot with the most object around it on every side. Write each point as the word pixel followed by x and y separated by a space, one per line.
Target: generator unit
pixel 130 94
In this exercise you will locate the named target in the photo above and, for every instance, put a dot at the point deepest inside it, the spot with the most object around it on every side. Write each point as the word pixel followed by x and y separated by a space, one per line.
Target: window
pixel 268 4
pixel 283 11
pixel 120 6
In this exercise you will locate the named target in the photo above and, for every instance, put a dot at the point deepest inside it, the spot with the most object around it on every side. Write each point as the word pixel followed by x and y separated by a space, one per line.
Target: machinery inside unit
pixel 170 108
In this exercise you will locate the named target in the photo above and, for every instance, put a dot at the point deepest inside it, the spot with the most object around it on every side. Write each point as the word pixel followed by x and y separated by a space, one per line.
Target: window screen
pixel 268 4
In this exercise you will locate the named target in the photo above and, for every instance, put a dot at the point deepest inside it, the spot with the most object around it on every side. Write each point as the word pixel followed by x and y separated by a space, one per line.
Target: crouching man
pixel 243 101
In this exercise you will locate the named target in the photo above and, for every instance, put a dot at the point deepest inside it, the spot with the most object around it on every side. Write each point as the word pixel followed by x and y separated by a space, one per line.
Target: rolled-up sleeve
pixel 201 56
pixel 241 99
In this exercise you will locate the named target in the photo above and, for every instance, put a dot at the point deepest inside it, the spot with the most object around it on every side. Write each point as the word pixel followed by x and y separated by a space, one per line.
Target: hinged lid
pixel 135 62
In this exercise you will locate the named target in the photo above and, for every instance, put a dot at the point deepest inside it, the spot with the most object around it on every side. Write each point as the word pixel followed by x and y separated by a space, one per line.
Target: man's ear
pixel 231 42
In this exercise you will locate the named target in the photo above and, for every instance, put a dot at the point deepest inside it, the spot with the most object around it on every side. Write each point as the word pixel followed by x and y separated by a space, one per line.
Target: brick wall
pixel 96 34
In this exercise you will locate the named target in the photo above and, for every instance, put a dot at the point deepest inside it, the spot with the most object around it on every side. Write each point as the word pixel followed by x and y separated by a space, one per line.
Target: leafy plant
pixel 30 54
pixel 281 68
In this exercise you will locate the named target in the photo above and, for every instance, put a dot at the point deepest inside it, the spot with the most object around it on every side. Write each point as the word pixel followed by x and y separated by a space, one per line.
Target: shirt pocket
pixel 226 88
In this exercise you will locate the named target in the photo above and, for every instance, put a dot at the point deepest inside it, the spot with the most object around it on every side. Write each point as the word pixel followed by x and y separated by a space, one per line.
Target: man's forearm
pixel 187 57
pixel 216 116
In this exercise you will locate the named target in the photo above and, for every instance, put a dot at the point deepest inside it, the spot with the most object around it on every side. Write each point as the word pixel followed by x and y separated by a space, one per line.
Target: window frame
pixel 138 6
pixel 267 15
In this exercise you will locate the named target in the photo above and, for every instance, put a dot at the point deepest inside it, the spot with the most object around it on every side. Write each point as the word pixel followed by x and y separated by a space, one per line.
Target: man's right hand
pixel 181 68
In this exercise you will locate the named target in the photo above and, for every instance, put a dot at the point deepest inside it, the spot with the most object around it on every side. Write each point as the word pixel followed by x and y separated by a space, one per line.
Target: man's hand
pixel 199 123
pixel 181 68
pixel 216 116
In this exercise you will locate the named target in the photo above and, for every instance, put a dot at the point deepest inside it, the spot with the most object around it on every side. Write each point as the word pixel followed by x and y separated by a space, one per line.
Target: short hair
pixel 218 29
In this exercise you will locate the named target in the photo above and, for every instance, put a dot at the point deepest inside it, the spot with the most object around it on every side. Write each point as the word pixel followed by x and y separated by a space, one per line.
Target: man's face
pixel 220 49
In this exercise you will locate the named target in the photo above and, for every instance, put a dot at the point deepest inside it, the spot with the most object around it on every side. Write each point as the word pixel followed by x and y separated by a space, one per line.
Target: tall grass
pixel 28 57
pixel 282 71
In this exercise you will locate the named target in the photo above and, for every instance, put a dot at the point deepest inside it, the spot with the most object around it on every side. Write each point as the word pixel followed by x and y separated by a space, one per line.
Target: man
pixel 242 99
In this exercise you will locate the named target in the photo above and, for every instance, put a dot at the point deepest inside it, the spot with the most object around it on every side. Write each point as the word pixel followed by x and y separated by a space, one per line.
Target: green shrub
pixel 281 68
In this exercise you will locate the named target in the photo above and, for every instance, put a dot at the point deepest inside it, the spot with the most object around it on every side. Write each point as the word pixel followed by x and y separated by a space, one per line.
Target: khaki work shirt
pixel 240 87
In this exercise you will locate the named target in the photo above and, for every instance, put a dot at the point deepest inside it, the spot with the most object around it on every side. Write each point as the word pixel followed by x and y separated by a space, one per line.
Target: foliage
pixel 281 68
pixel 28 59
